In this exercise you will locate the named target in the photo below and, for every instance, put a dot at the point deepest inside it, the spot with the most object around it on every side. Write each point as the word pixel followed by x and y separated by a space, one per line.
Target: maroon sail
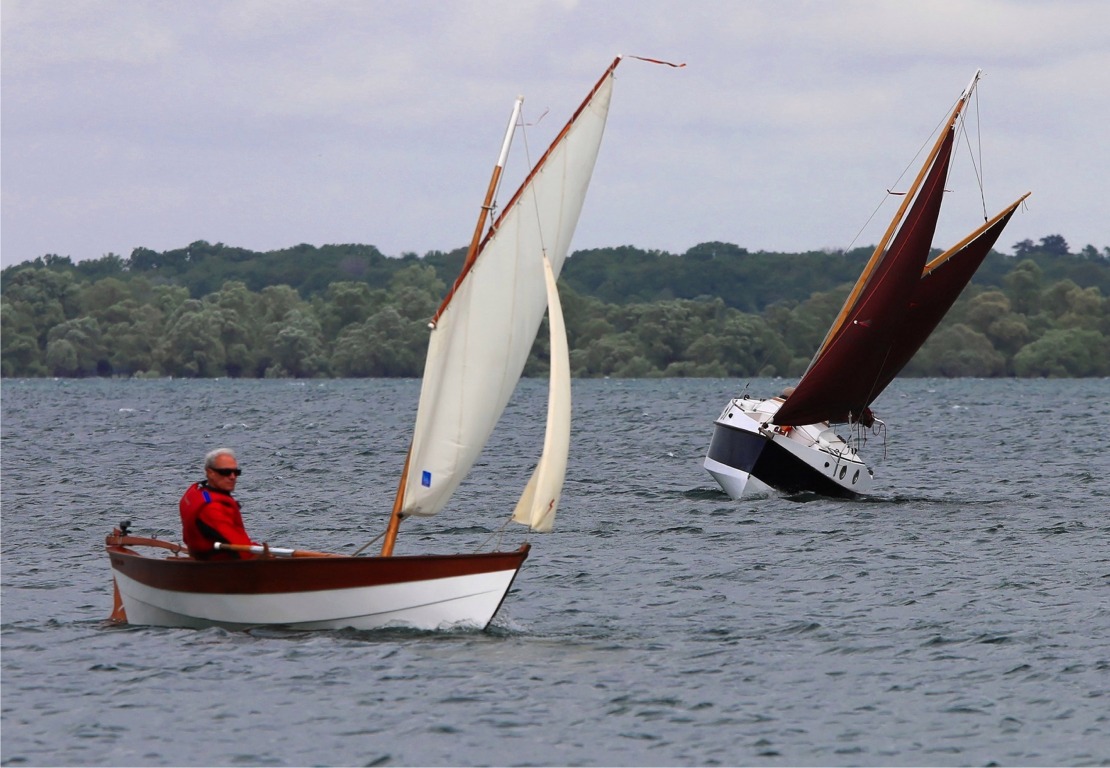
pixel 842 380
pixel 937 290
pixel 784 444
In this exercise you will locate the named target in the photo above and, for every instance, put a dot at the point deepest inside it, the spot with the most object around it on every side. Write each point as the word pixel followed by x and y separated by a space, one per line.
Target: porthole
pixel 843 471
pixel 855 477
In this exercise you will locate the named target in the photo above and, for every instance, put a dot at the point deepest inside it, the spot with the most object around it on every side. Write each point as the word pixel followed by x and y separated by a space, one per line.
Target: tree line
pixel 349 311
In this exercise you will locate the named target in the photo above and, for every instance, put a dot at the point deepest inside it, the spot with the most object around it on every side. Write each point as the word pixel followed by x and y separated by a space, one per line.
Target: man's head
pixel 222 469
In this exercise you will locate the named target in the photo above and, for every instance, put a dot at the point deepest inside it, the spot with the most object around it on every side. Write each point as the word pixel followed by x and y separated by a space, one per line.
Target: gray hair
pixel 210 459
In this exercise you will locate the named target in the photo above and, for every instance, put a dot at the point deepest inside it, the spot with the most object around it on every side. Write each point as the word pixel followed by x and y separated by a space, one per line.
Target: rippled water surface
pixel 960 617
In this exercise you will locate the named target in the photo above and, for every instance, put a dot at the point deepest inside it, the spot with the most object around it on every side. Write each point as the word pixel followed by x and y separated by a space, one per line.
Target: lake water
pixel 959 617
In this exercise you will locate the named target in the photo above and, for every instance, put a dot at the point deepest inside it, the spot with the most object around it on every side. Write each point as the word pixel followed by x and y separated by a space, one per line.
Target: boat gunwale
pixel 275 575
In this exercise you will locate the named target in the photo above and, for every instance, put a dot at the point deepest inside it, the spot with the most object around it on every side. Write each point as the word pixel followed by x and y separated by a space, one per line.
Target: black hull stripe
pixel 770 463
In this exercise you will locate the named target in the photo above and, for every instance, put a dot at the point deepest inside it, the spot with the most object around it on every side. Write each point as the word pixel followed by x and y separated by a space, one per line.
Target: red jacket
pixel 208 516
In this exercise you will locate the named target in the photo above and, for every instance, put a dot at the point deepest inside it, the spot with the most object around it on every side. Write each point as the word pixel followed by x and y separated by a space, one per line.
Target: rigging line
pixel 493 218
pixel 979 140
pixel 748 383
pixel 866 224
pixel 532 188
pixel 523 125
pixel 367 544
pixel 871 394
pixel 499 533
pixel 759 367
pixel 976 155
pixel 975 166
pixel 890 190
pixel 928 142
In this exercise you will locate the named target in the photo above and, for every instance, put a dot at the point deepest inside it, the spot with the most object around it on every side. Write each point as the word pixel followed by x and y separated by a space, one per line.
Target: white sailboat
pixel 480 340
pixel 787 443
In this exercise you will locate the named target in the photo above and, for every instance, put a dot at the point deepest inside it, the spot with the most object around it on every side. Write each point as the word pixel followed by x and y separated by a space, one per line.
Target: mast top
pixel 971 85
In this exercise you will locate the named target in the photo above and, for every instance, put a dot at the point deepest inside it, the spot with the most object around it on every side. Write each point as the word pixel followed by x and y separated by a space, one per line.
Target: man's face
pixel 218 475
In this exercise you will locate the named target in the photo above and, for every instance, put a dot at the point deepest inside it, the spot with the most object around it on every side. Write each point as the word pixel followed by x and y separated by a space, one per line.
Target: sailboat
pixel 787 443
pixel 480 339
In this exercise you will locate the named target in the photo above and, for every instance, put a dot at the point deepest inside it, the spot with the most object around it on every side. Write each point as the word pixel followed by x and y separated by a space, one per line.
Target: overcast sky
pixel 264 124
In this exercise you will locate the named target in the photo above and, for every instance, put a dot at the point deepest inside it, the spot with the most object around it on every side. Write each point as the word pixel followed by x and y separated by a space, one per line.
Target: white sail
pixel 481 341
pixel 540 499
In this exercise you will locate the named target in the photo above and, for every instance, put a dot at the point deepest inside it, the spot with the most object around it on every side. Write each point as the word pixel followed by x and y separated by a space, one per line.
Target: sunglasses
pixel 227 472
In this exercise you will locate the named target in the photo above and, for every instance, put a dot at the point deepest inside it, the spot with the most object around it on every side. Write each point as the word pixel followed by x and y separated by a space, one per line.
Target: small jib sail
pixel 484 330
pixel 540 499
pixel 940 285
pixel 898 300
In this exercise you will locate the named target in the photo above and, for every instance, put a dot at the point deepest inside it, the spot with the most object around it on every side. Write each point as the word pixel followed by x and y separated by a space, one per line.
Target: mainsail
pixel 841 380
pixel 849 370
pixel 483 333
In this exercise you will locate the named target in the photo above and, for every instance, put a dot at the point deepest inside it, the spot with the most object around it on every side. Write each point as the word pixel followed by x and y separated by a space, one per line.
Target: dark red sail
pixel 937 291
pixel 843 380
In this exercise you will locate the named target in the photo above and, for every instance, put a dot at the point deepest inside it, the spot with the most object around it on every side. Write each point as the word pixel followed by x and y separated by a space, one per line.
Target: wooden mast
pixel 395 516
pixel 487 206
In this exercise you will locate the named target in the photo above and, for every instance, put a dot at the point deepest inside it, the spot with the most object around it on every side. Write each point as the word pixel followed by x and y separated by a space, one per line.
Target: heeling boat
pixel 788 443
pixel 480 339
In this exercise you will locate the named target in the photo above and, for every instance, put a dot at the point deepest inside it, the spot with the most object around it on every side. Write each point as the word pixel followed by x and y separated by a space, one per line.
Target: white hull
pixel 426 592
pixel 736 482
pixel 749 456
pixel 461 601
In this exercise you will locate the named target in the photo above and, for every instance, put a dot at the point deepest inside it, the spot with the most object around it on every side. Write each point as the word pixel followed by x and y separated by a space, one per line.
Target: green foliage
pixel 958 350
pixel 191 345
pixel 385 345
pixel 75 348
pixel 743 280
pixel 297 346
pixel 1065 353
pixel 346 303
pixel 130 338
pixel 20 353
pixel 346 310
pixel 1023 284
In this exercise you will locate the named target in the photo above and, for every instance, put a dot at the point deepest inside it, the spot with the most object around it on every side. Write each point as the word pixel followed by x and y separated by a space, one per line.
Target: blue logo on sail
pixel 426 479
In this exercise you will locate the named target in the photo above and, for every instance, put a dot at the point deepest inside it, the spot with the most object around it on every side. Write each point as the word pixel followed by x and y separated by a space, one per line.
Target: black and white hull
pixel 750 456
